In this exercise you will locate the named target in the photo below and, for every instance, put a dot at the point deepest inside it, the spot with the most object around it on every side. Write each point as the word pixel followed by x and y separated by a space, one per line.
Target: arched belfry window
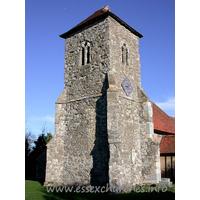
pixel 124 54
pixel 86 55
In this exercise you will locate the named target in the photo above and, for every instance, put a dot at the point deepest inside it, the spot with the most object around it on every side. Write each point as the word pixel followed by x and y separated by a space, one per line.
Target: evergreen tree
pixel 48 138
pixel 40 145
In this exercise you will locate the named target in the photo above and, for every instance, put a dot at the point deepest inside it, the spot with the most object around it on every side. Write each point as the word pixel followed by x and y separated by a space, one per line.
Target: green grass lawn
pixel 35 191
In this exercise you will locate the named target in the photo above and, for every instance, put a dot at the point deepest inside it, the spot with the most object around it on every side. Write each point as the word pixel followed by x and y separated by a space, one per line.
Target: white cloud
pixel 47 118
pixel 168 106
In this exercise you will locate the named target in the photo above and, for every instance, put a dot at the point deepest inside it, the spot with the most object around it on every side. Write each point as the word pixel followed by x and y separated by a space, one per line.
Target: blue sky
pixel 45 20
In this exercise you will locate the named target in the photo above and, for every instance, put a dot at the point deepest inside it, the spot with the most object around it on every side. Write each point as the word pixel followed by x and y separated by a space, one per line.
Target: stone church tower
pixel 104 131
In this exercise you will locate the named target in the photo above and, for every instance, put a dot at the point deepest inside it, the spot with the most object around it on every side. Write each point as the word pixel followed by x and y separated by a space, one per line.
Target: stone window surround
pixel 85 53
pixel 125 53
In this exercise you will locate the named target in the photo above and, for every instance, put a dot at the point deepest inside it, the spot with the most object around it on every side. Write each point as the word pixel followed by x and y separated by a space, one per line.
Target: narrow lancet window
pixel 83 55
pixel 88 54
pixel 123 55
pixel 126 56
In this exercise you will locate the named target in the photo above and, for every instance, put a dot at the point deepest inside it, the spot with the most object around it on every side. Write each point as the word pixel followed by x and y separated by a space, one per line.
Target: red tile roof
pixel 162 122
pixel 95 14
pixel 165 125
pixel 99 14
pixel 167 144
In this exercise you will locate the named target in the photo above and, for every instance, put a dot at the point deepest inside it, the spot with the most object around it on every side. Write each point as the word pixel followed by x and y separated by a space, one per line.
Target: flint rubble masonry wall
pixel 101 134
